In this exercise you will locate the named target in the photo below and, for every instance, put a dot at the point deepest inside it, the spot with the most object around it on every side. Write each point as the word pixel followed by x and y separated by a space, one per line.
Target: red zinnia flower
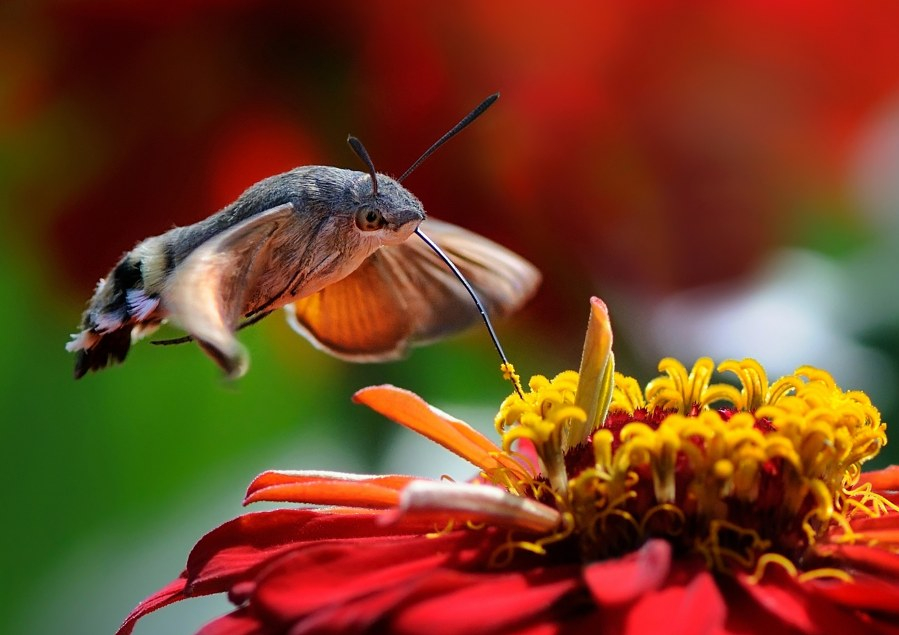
pixel 685 507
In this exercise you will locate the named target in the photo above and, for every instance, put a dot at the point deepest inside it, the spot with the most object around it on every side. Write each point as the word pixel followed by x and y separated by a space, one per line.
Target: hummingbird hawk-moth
pixel 330 245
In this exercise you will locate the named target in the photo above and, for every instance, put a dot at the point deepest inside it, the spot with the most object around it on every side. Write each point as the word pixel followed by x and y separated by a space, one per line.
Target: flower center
pixel 731 472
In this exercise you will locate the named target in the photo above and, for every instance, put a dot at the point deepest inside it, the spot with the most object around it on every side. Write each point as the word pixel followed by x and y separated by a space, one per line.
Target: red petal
pixel 508 608
pixel 354 615
pixel 625 579
pixel 413 583
pixel 882 531
pixel 411 411
pixel 239 622
pixel 169 594
pixel 319 488
pixel 888 522
pixel 492 603
pixel 873 560
pixel 235 550
pixel 866 592
pixel 745 616
pixel 884 480
pixel 694 609
pixel 336 573
pixel 795 604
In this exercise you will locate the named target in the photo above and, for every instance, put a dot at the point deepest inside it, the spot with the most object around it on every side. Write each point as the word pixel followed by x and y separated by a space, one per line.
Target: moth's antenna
pixel 362 153
pixel 508 369
pixel 474 114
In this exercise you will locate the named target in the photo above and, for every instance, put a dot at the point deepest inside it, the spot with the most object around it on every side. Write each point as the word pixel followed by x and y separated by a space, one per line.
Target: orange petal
pixel 409 410
pixel 327 488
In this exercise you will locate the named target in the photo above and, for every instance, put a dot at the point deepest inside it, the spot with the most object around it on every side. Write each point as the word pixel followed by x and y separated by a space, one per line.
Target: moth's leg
pixel 184 339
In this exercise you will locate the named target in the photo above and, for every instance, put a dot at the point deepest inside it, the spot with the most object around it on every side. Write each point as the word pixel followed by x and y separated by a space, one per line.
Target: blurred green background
pixel 723 174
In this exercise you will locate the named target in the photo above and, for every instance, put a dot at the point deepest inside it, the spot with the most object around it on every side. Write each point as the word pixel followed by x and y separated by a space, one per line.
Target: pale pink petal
pixel 468 502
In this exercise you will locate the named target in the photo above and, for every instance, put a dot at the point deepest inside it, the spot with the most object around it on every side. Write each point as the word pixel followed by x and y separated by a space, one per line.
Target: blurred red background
pixel 660 145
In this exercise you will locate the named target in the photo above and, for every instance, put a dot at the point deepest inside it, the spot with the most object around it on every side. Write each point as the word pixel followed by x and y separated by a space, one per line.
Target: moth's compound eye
pixel 368 220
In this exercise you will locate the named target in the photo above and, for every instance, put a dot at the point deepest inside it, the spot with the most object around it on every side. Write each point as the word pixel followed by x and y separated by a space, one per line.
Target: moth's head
pixel 389 213
pixel 386 210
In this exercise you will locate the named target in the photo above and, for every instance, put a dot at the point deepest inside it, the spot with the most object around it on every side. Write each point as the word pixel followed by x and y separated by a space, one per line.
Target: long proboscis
pixel 477 300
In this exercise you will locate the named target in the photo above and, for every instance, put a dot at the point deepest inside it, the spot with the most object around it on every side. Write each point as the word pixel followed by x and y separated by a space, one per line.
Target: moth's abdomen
pixel 121 305
pixel 108 348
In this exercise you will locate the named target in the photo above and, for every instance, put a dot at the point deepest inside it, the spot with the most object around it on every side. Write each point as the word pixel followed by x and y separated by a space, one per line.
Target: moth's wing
pixel 360 318
pixel 206 292
pixel 404 294
pixel 503 280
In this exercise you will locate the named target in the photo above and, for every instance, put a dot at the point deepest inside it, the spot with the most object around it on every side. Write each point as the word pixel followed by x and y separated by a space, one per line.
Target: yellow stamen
pixel 509 374
pixel 824 572
pixel 544 415
pixel 769 559
pixel 699 451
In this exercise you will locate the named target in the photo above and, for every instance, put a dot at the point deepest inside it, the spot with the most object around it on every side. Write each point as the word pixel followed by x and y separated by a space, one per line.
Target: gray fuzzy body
pixel 286 237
